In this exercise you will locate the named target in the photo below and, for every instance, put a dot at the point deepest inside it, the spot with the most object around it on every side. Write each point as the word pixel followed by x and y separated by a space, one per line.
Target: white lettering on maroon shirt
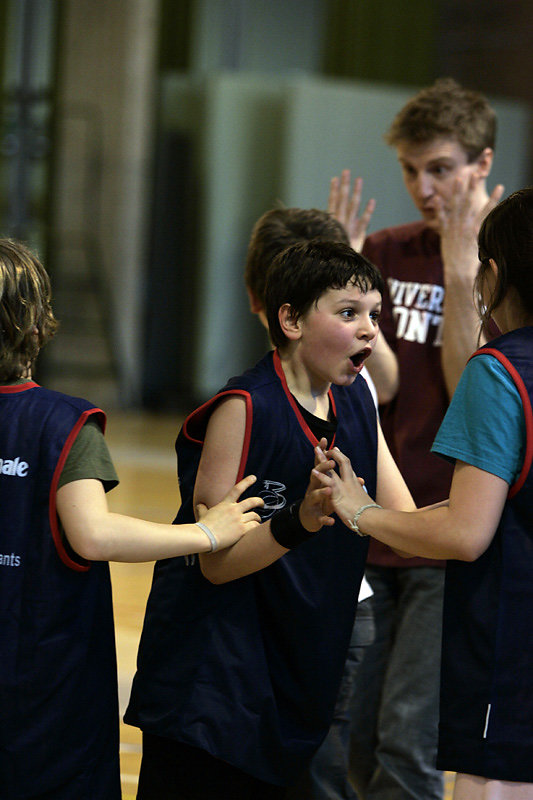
pixel 417 309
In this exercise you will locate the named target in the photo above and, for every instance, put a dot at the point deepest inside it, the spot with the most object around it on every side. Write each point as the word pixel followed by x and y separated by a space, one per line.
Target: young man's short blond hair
pixel 27 321
pixel 446 110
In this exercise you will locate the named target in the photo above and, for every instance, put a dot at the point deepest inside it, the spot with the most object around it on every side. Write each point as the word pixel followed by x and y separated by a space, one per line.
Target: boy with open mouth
pixel 236 692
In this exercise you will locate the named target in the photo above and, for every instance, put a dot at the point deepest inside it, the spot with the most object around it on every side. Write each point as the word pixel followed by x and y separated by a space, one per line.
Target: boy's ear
pixel 289 322
pixel 484 162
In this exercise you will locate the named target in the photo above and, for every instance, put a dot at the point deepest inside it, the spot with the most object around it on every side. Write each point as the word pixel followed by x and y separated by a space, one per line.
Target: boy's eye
pixel 348 313
pixel 375 316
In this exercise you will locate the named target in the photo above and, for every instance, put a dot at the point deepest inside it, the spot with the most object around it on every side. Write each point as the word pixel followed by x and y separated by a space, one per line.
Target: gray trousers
pixel 395 699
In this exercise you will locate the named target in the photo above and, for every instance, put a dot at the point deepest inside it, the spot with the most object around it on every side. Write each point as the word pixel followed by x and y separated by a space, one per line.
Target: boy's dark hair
pixel 25 297
pixel 302 273
pixel 506 236
pixel 446 110
pixel 276 230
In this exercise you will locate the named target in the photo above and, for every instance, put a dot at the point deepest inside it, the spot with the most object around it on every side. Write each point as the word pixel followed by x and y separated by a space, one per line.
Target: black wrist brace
pixel 286 528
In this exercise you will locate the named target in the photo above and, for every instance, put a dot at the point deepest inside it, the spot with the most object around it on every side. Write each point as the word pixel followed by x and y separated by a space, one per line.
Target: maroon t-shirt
pixel 409 259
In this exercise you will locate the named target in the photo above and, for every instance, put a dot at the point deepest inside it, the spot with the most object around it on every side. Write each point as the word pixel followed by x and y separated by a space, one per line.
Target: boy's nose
pixel 366 330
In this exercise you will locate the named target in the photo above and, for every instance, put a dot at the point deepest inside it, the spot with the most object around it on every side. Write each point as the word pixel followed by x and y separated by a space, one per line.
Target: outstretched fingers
pixel 345 207
pixel 338 195
pixel 240 487
pixel 249 503
pixel 248 515
pixel 323 479
pixel 343 462
pixel 324 465
pixel 453 211
pixel 242 510
pixel 319 500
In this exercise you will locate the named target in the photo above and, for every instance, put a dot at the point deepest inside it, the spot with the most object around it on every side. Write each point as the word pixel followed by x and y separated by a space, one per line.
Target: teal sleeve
pixel 485 425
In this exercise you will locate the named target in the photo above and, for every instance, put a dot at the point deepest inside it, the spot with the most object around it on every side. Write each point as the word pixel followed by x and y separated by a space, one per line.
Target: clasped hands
pixel 334 487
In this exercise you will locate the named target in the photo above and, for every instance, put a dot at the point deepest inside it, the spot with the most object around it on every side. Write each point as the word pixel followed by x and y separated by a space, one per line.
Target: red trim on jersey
pixel 198 417
pixel 528 414
pixel 82 565
pixel 20 387
pixel 303 424
pixel 247 436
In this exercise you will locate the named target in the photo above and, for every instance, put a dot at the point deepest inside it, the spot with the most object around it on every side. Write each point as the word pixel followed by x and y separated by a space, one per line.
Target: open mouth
pixel 359 358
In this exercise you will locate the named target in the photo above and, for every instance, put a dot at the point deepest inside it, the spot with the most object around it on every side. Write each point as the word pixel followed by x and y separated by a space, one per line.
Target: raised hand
pixel 316 508
pixel 345 208
pixel 230 519
pixel 459 223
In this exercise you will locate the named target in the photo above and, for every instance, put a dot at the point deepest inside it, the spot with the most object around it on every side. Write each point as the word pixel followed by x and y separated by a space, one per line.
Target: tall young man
pixel 444 138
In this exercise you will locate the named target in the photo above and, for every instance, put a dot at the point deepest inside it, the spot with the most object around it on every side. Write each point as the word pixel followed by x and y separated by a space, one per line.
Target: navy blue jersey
pixel 58 687
pixel 249 670
pixel 486 724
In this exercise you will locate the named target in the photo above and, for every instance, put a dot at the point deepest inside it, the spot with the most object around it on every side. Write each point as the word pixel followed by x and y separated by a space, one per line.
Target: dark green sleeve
pixel 89 458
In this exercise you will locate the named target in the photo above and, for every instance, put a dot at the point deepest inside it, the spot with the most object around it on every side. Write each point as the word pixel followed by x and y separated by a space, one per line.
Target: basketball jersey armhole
pixel 69 559
pixel 528 414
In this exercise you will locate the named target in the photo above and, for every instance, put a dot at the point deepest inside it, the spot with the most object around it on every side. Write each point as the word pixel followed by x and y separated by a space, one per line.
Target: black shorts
pixel 172 770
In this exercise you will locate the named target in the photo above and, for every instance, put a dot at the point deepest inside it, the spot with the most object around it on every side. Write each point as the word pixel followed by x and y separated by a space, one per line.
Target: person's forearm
pixel 426 533
pixel 115 537
pixel 459 228
pixel 266 543
pixel 459 222
pixel 97 534
pixel 460 332
pixel 255 551
pixel 288 528
pixel 459 528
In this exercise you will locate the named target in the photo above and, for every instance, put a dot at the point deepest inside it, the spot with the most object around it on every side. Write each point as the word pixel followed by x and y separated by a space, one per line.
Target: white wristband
pixel 210 535
pixel 353 524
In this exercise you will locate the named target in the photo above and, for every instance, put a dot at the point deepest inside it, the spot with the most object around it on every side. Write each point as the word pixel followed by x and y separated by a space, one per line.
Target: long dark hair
pixel 506 236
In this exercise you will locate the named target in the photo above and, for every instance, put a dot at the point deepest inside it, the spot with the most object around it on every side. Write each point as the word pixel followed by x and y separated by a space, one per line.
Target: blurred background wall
pixel 140 140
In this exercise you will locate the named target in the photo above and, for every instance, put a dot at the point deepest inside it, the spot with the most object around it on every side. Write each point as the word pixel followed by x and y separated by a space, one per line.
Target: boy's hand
pixel 347 494
pixel 345 209
pixel 230 519
pixel 316 506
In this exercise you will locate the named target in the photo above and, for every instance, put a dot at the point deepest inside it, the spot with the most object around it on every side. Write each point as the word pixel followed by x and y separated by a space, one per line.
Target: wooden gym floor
pixel 142 448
